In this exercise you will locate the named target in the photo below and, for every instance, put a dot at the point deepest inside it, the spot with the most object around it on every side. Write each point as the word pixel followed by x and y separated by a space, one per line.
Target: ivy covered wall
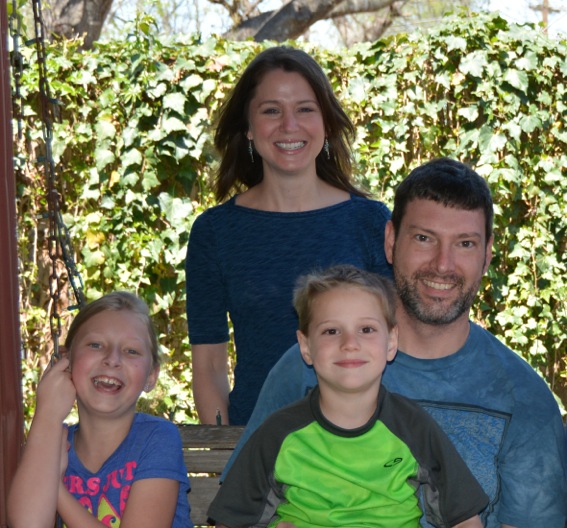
pixel 133 150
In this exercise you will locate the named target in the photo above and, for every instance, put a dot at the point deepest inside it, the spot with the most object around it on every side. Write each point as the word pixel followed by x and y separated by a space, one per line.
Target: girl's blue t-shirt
pixel 152 449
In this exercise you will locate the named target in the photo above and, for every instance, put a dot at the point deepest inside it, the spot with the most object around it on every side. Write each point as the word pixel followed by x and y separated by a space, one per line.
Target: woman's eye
pixel 132 352
pixel 94 345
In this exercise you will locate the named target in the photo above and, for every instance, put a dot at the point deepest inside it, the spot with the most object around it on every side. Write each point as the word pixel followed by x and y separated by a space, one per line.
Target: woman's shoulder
pixel 370 208
pixel 367 202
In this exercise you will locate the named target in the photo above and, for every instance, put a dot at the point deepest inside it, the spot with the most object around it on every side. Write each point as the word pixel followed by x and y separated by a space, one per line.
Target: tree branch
pixel 294 18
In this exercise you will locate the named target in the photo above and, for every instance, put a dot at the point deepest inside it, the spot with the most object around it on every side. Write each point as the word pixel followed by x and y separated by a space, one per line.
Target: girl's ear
pixel 64 352
pixel 152 379
pixel 304 347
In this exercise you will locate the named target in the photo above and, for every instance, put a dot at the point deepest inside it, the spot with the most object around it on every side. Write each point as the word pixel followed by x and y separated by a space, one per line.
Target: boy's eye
pixel 330 331
pixel 94 345
pixel 367 330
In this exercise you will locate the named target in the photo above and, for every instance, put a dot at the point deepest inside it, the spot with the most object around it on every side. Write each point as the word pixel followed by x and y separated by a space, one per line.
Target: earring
pixel 251 150
pixel 326 148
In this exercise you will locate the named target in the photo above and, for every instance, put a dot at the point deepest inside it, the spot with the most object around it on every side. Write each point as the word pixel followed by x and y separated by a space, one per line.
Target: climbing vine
pixel 133 151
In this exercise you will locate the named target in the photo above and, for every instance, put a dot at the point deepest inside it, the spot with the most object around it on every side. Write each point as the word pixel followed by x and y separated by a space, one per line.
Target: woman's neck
pixel 291 196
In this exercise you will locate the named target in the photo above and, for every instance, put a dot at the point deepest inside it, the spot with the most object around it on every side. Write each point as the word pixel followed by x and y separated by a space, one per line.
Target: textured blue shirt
pixel 497 411
pixel 245 262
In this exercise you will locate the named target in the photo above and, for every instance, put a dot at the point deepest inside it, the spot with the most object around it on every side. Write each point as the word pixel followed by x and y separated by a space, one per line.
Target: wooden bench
pixel 207 449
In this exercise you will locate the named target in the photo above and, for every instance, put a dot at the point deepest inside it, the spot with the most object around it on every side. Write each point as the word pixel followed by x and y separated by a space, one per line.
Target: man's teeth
pixel 291 146
pixel 438 285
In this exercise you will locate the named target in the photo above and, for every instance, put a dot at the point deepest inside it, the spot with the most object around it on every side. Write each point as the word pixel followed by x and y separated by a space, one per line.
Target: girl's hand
pixel 56 393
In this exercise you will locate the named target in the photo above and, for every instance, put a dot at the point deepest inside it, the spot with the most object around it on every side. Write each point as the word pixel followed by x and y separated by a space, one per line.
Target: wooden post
pixel 11 413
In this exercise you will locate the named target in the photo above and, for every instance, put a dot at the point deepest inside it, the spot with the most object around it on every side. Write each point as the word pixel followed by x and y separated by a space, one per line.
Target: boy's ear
pixel 392 343
pixel 304 347
pixel 389 241
pixel 152 379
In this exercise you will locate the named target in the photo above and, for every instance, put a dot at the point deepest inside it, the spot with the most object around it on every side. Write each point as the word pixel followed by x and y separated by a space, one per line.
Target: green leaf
pixel 518 79
pixel 175 101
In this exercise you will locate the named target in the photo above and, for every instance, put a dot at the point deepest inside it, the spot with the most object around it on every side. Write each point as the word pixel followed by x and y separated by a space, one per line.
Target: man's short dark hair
pixel 448 182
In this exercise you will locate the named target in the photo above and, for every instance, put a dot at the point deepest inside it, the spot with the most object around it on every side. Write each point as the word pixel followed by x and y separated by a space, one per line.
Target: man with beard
pixel 499 413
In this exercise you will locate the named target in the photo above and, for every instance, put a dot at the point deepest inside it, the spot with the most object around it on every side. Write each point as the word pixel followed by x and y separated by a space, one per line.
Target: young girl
pixel 115 467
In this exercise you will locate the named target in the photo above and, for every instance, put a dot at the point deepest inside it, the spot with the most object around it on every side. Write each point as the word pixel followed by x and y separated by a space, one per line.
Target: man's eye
pixel 467 243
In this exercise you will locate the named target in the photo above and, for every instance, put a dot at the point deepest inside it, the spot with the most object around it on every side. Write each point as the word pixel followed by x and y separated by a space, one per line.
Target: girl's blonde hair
pixel 117 301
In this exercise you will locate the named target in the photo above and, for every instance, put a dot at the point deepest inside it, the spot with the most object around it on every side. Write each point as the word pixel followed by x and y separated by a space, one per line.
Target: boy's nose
pixel 350 341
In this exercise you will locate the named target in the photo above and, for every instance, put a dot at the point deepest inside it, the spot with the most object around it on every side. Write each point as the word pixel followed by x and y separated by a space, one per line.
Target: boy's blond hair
pixel 345 275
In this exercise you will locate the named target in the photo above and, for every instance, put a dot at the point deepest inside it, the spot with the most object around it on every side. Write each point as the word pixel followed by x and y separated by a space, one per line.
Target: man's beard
pixel 435 312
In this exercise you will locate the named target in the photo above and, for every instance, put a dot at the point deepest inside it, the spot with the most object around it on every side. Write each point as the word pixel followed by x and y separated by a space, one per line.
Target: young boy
pixel 350 453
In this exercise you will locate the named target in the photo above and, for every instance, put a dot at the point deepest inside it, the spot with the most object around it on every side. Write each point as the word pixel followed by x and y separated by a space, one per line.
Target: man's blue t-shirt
pixel 497 411
pixel 245 262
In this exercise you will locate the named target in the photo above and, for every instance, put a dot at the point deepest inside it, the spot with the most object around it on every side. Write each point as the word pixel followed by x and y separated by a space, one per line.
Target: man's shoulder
pixel 503 362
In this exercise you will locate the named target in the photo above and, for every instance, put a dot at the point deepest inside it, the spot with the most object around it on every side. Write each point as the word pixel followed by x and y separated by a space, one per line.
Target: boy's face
pixel 348 341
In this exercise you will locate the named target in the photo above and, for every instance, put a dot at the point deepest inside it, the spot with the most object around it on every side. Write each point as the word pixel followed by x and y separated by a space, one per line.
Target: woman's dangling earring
pixel 326 148
pixel 251 150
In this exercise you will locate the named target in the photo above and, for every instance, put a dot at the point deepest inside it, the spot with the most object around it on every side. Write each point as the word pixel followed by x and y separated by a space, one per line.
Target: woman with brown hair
pixel 286 164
